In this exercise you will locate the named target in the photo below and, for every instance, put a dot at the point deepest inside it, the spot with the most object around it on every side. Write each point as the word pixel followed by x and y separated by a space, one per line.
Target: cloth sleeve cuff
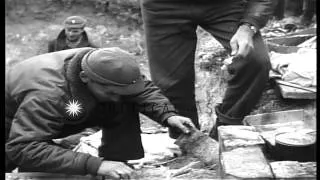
pixel 251 21
pixel 165 116
pixel 93 164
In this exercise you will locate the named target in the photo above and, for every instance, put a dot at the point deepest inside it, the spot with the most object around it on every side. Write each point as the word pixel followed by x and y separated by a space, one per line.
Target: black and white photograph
pixel 160 89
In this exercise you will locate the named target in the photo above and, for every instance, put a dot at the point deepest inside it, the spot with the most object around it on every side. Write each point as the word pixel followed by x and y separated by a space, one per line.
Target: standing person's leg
pixel 279 9
pixel 293 7
pixel 250 74
pixel 309 9
pixel 171 43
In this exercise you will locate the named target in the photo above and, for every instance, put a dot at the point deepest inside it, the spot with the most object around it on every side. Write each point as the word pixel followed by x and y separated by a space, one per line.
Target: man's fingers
pixel 127 168
pixel 124 175
pixel 234 47
pixel 183 127
pixel 244 49
pixel 188 124
pixel 114 175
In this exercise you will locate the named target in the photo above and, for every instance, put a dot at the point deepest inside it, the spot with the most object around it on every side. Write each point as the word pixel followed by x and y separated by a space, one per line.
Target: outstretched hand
pixel 183 123
pixel 242 41
pixel 115 170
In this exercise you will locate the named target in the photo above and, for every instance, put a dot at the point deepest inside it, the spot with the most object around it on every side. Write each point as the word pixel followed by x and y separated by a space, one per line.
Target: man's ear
pixel 84 78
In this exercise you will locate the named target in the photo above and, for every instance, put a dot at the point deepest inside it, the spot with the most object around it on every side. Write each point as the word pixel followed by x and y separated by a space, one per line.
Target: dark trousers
pixel 170 27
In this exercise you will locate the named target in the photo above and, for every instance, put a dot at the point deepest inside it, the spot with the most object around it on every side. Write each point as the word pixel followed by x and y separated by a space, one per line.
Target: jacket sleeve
pixel 258 13
pixel 36 122
pixel 152 103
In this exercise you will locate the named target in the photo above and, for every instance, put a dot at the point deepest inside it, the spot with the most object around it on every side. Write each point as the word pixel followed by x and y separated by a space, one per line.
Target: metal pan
pixel 295 146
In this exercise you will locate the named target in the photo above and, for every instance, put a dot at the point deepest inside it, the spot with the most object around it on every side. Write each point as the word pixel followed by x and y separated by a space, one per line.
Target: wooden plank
pixel 281 48
pixel 295 93
pixel 309 31
pixel 294 169
pixel 275 117
pixel 247 162
pixel 49 176
pixel 291 40
pixel 233 136
pixel 309 89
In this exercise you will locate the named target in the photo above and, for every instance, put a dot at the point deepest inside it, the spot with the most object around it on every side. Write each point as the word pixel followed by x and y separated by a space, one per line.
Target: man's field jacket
pixel 37 93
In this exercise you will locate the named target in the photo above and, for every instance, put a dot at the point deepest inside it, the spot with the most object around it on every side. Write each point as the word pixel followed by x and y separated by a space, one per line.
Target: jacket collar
pixel 77 89
pixel 61 39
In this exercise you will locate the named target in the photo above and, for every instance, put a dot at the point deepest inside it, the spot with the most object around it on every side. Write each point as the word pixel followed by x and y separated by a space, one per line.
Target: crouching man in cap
pixel 76 89
pixel 72 36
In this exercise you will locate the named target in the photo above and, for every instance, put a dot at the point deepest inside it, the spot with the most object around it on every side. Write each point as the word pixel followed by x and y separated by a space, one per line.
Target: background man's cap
pixel 115 67
pixel 75 22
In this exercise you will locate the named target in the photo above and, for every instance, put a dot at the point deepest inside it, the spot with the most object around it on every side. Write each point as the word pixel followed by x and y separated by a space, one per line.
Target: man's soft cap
pixel 115 67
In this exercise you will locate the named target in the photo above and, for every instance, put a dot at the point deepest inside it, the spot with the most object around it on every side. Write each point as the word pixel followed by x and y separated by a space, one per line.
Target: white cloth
pixel 299 68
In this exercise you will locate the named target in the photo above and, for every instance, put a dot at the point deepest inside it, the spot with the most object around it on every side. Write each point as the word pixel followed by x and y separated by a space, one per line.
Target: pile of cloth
pixel 299 68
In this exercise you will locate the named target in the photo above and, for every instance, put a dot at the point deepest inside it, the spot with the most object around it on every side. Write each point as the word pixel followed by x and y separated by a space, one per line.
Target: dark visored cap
pixel 75 22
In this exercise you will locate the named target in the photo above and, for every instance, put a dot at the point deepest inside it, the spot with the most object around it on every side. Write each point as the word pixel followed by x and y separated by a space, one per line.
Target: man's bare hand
pixel 182 123
pixel 242 41
pixel 115 170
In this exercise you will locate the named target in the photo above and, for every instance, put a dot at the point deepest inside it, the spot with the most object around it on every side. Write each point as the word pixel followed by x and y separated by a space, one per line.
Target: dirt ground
pixel 29 26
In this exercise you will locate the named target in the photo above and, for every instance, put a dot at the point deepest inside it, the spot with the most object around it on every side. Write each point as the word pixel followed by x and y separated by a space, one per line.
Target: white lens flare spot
pixel 73 108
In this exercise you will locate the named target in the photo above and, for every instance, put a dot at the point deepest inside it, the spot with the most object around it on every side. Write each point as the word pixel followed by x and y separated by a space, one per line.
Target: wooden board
pixel 275 117
pixel 294 169
pixel 235 136
pixel 248 162
pixel 295 93
pixel 49 176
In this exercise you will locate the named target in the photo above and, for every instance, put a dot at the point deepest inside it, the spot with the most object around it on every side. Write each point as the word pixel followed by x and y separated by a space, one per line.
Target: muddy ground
pixel 29 26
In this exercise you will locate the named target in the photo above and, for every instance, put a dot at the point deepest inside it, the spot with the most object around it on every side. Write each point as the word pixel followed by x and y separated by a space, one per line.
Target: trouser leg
pixel 182 95
pixel 293 7
pixel 122 140
pixel 171 41
pixel 171 44
pixel 309 9
pixel 279 9
pixel 249 75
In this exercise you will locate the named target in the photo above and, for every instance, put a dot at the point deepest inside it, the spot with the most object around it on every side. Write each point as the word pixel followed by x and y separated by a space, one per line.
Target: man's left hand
pixel 242 41
pixel 182 123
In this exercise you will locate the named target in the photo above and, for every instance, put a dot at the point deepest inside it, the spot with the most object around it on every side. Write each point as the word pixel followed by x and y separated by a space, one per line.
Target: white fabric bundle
pixel 299 68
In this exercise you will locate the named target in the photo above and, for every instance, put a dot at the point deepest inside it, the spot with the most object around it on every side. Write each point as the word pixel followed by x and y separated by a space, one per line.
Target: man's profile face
pixel 73 34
